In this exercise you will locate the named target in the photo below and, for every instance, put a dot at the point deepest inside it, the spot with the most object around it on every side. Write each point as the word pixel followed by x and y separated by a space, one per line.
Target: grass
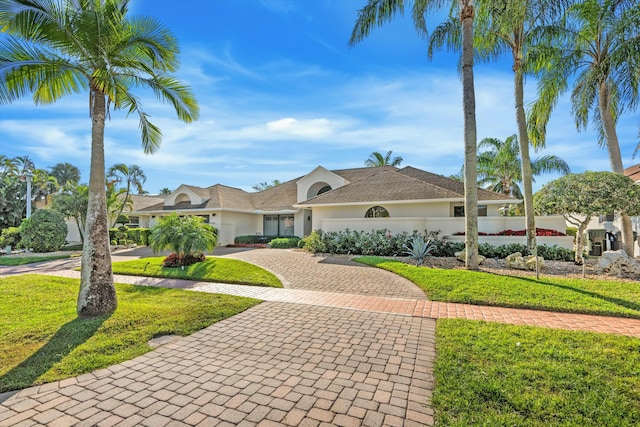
pixel 612 298
pixel 42 340
pixel 493 374
pixel 11 261
pixel 214 269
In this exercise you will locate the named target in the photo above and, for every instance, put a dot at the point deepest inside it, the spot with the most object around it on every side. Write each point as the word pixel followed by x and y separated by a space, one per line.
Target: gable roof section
pixel 391 184
pixel 216 197
pixel 278 198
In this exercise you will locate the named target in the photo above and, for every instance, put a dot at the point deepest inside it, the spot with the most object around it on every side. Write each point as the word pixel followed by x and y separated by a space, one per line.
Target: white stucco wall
pixel 318 175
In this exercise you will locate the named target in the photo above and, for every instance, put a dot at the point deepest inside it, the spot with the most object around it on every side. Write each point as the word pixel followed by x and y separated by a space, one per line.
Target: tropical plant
pixel 73 203
pixel 502 27
pixel 44 231
pixel 580 197
pixel 418 249
pixel 56 48
pixel 10 236
pixel 378 12
pixel 500 166
pixel 376 159
pixel 595 47
pixel 184 236
pixel 43 185
pixel 131 175
pixel 12 201
pixel 65 173
pixel 165 191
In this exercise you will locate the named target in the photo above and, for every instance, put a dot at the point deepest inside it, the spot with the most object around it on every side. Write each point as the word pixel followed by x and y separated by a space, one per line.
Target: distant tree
pixel 65 173
pixel 376 159
pixel 500 166
pixel 72 203
pixel 130 176
pixel 43 185
pixel 8 166
pixel 117 201
pixel 580 197
pixel 12 201
pixel 165 191
pixel 266 185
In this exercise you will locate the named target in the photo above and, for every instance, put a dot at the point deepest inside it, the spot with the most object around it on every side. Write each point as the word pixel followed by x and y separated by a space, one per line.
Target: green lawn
pixel 214 269
pixel 491 374
pixel 9 260
pixel 614 298
pixel 42 340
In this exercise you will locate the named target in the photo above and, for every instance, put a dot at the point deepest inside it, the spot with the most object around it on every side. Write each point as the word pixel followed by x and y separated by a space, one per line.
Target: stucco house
pixel 405 199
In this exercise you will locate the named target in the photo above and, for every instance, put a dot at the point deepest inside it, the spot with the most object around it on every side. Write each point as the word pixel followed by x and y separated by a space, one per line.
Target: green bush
pixel 139 236
pixel 10 236
pixel 572 231
pixel 44 231
pixel 284 242
pixel 382 243
pixel 252 239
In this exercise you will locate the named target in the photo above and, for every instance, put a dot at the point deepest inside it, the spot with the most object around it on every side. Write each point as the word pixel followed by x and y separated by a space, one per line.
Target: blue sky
pixel 281 93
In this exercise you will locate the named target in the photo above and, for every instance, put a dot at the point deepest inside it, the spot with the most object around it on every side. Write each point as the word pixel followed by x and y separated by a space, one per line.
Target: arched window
pixel 324 189
pixel 377 212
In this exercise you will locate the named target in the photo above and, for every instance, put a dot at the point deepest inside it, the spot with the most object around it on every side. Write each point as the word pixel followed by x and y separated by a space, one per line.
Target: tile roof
pixel 633 172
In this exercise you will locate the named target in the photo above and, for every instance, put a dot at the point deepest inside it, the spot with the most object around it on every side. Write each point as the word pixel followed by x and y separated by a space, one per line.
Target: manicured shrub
pixel 284 242
pixel 44 231
pixel 10 236
pixel 252 239
pixel 139 236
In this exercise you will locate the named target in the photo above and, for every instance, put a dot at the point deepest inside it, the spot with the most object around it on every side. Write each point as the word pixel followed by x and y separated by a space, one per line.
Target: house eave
pixel 398 202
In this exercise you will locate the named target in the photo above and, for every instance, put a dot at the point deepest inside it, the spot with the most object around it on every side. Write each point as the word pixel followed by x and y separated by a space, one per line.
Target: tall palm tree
pixel 500 166
pixel 598 43
pixel 503 27
pixel 57 48
pixel 376 159
pixel 65 173
pixel 378 12
pixel 131 175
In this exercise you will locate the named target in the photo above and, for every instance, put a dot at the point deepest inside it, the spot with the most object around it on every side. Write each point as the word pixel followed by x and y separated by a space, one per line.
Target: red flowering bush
pixel 539 232
pixel 174 260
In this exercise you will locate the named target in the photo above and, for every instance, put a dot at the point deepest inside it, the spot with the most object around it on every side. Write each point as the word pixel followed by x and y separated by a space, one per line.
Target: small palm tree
pixel 500 166
pixel 131 175
pixel 376 159
pixel 57 48
pixel 165 191
pixel 183 236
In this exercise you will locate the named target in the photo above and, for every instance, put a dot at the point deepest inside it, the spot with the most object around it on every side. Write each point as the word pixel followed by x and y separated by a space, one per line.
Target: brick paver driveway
pixel 278 363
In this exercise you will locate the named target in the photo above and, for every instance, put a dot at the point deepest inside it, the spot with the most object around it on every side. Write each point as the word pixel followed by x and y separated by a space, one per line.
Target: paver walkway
pixel 344 344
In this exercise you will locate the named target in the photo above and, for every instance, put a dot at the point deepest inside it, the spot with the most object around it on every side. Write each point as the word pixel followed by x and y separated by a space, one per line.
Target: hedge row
pixel 124 235
pixel 382 243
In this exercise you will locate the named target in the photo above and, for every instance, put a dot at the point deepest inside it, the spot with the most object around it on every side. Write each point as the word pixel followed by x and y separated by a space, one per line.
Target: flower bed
pixel 539 232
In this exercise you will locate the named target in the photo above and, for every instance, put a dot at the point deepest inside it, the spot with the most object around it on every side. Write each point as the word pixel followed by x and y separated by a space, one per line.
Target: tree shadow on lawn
pixel 617 301
pixel 70 336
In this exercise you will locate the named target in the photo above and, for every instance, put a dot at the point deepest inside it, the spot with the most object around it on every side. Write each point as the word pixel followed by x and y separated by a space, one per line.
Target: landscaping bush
pixel 252 239
pixel 44 231
pixel 284 242
pixel 10 236
pixel 382 243
pixel 139 236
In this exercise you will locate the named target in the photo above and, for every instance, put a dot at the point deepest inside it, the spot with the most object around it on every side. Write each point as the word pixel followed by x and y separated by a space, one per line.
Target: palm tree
pixel 165 191
pixel 376 159
pixel 44 185
pixel 56 48
pixel 378 12
pixel 8 166
pixel 598 42
pixel 131 175
pixel 65 173
pixel 500 166
pixel 501 27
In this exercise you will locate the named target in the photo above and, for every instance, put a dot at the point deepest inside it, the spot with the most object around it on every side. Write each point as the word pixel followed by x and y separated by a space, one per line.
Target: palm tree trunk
pixel 613 147
pixel 97 294
pixel 523 139
pixel 470 137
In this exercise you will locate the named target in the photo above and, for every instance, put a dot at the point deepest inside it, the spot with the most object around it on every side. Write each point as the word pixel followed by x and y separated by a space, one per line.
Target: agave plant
pixel 417 248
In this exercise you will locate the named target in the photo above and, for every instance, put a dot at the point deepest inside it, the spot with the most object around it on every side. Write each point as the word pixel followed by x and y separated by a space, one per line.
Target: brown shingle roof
pixel 633 172
pixel 378 184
